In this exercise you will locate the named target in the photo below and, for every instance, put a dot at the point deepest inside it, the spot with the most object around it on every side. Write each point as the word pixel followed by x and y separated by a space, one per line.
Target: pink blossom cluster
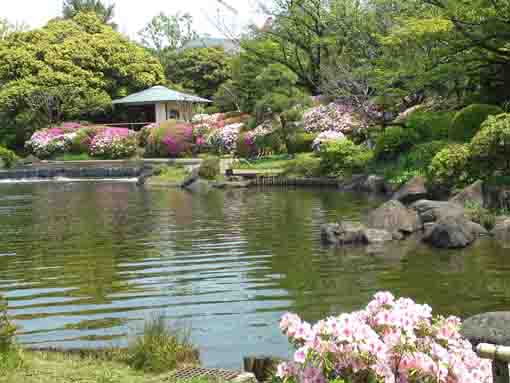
pixel 113 143
pixel 337 117
pixel 47 142
pixel 390 341
pixel 224 140
pixel 325 137
pixel 253 137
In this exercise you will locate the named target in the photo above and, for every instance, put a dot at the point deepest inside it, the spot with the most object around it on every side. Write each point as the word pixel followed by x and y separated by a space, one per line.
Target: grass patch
pixel 161 348
pixel 74 157
pixel 170 174
pixel 53 367
pixel 266 163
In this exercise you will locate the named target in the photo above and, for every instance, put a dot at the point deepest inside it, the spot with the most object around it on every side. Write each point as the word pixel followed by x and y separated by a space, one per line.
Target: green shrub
pixel 467 121
pixel 449 167
pixel 212 109
pixel 421 155
pixel 301 143
pixel 480 215
pixel 344 158
pixel 81 142
pixel 8 157
pixel 160 349
pixel 303 166
pixel 7 329
pixel 430 126
pixel 490 148
pixel 209 168
pixel 393 141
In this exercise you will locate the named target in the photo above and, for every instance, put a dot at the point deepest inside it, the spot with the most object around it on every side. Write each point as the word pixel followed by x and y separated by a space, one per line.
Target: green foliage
pixel 467 121
pixel 304 166
pixel 490 148
pixel 228 96
pixel 344 158
pixel 449 167
pixel 7 329
pixel 201 70
pixel 209 168
pixel 480 215
pixel 8 157
pixel 430 126
pixel 68 70
pixel 393 141
pixel 81 142
pixel 160 348
pixel 421 155
pixel 301 142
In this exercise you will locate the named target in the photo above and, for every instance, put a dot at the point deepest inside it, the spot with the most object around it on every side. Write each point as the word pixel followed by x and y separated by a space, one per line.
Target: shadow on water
pixel 83 263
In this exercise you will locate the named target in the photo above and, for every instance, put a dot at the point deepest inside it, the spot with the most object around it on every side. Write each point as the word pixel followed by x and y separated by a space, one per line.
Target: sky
pixel 133 15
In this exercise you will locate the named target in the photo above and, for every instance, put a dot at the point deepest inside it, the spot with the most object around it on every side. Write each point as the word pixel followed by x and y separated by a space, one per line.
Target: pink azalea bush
pixel 224 140
pixel 327 136
pixel 337 117
pixel 169 139
pixel 47 142
pixel 390 341
pixel 113 143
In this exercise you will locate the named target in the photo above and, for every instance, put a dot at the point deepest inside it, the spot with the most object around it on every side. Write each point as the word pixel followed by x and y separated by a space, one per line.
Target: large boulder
pixel 395 217
pixel 493 328
pixel 453 233
pixel 343 233
pixel 472 194
pixel 432 211
pixel 412 191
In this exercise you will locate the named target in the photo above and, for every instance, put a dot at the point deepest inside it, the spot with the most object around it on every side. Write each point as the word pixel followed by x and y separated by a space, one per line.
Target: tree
pixel 105 12
pixel 168 32
pixel 75 66
pixel 200 70
pixel 282 100
pixel 295 38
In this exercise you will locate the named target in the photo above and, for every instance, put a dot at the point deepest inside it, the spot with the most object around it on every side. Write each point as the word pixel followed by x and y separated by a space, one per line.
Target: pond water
pixel 83 264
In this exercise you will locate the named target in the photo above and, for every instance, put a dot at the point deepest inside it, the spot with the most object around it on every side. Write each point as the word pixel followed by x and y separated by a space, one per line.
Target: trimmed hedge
pixel 430 126
pixel 450 167
pixel 344 157
pixel 467 122
pixel 394 141
pixel 490 148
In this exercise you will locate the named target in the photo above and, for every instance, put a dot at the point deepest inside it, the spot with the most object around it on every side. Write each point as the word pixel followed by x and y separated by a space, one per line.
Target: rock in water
pixel 393 216
pixel 412 191
pixel 432 211
pixel 453 233
pixel 343 233
pixel 471 194
pixel 373 184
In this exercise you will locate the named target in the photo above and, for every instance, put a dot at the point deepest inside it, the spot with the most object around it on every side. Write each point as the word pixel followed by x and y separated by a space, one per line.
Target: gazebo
pixel 168 103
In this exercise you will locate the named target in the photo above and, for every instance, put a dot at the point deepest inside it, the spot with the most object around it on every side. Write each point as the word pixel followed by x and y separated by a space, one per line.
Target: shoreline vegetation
pixel 150 357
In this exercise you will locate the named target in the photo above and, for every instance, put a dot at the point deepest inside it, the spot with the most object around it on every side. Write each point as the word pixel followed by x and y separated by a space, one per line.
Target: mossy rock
pixel 467 122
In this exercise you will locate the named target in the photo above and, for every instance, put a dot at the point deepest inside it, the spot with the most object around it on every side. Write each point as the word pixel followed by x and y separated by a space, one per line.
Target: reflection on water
pixel 83 264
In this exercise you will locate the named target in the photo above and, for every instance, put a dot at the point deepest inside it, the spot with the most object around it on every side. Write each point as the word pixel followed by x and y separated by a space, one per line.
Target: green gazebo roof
pixel 158 94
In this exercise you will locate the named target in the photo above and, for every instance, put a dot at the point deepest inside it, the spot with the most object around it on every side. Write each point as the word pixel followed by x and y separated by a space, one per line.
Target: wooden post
pixel 263 367
pixel 500 356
